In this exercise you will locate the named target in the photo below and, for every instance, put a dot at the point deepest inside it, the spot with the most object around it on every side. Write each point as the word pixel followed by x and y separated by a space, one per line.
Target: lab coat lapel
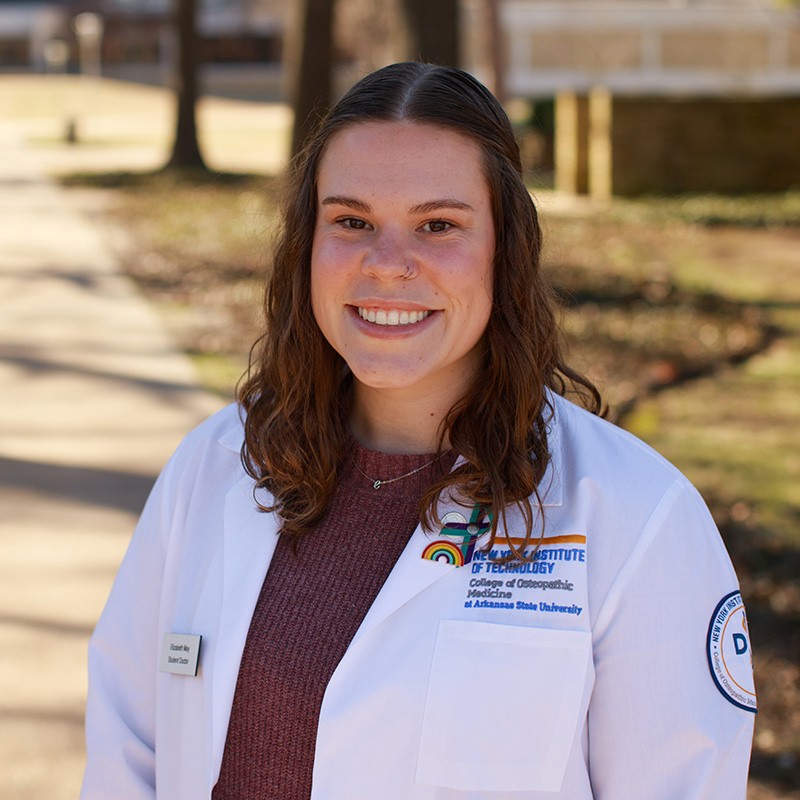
pixel 413 574
pixel 250 537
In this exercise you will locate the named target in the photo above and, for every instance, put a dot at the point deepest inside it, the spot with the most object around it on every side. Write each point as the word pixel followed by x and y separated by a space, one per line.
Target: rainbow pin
pixel 460 539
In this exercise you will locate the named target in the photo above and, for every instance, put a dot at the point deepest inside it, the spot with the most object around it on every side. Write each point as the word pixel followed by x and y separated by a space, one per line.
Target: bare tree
pixel 496 48
pixel 371 34
pixel 434 30
pixel 431 29
pixel 185 149
pixel 312 66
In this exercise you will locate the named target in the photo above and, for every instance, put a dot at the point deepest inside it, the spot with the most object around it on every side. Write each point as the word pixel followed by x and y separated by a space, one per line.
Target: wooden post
pixel 572 143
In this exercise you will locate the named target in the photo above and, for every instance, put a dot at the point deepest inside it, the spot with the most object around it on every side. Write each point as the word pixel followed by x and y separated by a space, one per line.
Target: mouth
pixel 393 316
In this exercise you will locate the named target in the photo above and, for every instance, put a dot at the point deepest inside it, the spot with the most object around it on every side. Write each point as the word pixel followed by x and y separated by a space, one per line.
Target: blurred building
pixel 648 95
pixel 137 41
pixel 663 95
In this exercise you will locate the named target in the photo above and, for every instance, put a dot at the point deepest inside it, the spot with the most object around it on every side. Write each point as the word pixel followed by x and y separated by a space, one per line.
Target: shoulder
pixel 225 428
pixel 191 490
pixel 647 528
pixel 618 487
pixel 588 447
pixel 215 444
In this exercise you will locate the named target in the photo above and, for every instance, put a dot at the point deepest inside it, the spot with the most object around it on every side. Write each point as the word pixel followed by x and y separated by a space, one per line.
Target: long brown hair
pixel 296 391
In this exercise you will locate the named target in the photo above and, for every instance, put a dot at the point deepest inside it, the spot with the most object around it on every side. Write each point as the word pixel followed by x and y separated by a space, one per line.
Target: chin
pixel 396 377
pixel 388 383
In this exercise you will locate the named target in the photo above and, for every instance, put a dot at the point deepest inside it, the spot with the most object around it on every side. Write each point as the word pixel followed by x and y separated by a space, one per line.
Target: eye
pixel 437 226
pixel 352 223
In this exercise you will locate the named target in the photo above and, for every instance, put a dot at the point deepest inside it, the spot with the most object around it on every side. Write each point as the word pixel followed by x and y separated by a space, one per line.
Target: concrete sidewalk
pixel 93 398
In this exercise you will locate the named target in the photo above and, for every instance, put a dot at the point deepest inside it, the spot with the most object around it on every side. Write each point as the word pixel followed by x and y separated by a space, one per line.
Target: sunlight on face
pixel 401 265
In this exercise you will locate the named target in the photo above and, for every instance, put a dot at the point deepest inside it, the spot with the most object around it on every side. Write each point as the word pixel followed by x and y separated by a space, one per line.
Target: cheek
pixel 327 293
pixel 323 266
pixel 319 292
pixel 484 303
pixel 329 261
pixel 483 293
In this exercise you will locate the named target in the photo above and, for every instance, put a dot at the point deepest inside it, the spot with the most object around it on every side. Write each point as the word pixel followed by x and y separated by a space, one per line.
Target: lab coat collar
pixel 250 538
pixel 551 487
pixel 233 438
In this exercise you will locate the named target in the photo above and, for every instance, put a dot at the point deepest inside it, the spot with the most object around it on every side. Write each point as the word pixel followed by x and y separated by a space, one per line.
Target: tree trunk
pixel 312 67
pixel 434 31
pixel 496 49
pixel 185 149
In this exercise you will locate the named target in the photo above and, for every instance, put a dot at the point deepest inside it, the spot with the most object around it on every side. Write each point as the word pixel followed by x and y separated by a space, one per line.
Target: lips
pixel 393 316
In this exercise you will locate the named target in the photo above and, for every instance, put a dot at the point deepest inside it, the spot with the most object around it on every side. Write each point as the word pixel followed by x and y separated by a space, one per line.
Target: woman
pixel 563 622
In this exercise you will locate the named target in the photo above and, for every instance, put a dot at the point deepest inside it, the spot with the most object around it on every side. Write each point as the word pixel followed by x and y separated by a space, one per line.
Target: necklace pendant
pixel 377 484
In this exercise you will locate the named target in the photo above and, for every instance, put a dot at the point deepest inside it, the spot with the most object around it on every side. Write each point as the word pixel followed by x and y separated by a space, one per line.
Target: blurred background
pixel 142 144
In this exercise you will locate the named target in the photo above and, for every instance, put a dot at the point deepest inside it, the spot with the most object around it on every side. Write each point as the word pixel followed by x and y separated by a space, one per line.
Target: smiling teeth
pixel 392 317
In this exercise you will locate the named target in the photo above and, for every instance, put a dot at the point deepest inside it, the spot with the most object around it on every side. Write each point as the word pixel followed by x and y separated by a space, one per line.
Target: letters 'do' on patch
pixel 729 656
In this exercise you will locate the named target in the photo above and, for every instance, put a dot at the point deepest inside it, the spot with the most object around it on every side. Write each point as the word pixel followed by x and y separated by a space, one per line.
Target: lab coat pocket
pixel 504 705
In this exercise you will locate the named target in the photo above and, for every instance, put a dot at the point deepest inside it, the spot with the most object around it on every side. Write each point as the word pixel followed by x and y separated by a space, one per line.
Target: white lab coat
pixel 591 680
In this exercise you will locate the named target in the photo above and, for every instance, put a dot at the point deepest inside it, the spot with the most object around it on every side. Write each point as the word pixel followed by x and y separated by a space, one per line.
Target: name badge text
pixel 180 653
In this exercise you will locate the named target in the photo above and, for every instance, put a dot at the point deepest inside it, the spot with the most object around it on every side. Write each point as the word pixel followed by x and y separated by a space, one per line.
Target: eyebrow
pixel 420 208
pixel 349 202
pixel 436 205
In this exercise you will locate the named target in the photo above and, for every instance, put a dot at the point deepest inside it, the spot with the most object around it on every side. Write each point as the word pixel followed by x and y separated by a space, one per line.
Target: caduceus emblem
pixel 457 539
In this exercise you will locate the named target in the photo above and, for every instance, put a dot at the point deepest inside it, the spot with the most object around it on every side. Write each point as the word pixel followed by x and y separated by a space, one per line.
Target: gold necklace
pixel 377 482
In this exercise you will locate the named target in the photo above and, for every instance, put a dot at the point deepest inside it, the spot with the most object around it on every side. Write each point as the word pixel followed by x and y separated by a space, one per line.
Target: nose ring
pixel 409 273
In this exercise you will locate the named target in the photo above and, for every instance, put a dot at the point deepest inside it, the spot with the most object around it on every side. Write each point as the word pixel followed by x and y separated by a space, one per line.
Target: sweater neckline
pixel 366 466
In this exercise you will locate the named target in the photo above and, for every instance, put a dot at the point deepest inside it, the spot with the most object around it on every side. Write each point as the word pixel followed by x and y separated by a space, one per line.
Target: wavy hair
pixel 295 393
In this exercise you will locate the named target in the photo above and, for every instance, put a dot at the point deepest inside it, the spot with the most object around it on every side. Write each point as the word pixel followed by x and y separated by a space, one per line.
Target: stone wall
pixel 639 145
pixel 700 96
pixel 719 145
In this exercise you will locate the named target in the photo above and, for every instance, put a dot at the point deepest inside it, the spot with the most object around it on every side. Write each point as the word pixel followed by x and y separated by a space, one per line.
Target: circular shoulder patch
pixel 729 656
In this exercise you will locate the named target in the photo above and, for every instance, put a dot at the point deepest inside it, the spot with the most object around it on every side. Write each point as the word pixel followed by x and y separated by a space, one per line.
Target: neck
pixel 398 420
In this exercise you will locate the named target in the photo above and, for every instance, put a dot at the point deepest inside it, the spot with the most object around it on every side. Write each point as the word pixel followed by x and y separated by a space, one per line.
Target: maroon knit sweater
pixel 310 606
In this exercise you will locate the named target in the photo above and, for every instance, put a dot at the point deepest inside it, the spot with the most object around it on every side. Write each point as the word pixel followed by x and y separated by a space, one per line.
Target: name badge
pixel 180 653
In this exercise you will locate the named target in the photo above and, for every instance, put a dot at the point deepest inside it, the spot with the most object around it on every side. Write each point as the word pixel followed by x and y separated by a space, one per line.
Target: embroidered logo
pixel 457 538
pixel 729 656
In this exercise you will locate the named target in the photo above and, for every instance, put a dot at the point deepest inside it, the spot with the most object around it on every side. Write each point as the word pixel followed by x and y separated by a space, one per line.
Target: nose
pixel 388 257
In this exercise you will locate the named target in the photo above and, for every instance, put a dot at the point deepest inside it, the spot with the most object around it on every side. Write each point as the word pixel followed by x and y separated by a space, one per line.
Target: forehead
pixel 402 154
